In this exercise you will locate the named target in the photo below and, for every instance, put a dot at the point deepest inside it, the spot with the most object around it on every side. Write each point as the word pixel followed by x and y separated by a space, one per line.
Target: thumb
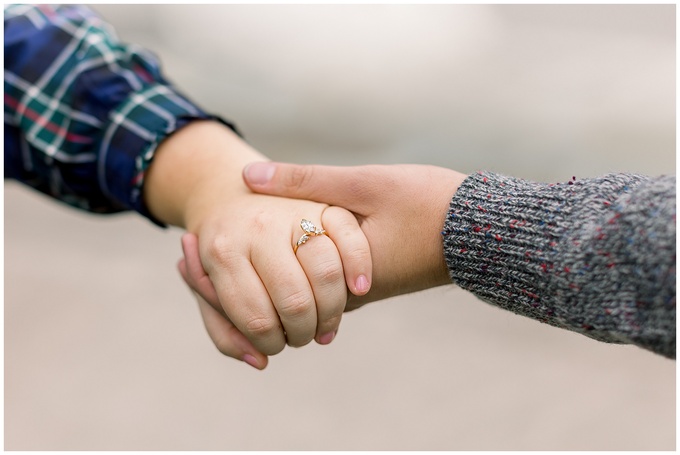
pixel 333 185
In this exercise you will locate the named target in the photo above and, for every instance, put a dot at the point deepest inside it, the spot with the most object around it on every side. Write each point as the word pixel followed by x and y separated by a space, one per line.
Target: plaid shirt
pixel 84 112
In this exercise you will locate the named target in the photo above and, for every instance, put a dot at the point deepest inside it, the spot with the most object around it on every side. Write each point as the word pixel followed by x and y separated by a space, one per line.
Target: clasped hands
pixel 242 215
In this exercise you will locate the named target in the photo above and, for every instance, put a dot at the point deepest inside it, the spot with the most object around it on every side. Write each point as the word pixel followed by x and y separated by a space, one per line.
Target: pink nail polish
pixel 326 338
pixel 252 361
pixel 362 284
pixel 259 173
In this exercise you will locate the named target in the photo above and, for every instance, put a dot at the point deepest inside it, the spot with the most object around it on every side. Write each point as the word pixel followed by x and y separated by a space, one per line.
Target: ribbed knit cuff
pixel 500 238
pixel 557 253
pixel 595 256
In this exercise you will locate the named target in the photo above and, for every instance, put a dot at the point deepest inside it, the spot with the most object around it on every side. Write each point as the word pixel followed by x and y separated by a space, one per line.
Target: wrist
pixel 445 185
pixel 193 169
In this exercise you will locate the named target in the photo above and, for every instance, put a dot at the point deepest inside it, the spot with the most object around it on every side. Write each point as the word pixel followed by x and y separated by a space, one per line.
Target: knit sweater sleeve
pixel 595 256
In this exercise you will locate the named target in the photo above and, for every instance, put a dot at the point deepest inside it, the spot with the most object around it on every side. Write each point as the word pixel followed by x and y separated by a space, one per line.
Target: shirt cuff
pixel 136 128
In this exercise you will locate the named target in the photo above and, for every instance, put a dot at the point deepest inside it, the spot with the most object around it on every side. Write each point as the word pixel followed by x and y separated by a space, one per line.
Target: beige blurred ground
pixel 104 347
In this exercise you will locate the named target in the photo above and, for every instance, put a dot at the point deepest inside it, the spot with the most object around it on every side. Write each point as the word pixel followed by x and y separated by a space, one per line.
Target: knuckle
pixel 260 221
pixel 299 178
pixel 358 256
pixel 261 327
pixel 332 322
pixel 220 250
pixel 223 342
pixel 295 304
pixel 222 346
pixel 328 273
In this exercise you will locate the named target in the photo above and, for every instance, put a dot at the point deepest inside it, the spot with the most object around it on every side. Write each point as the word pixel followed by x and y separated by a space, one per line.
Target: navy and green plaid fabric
pixel 84 112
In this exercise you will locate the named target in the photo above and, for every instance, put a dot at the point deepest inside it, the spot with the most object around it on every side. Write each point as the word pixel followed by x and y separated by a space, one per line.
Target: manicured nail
pixel 252 361
pixel 362 284
pixel 327 338
pixel 259 173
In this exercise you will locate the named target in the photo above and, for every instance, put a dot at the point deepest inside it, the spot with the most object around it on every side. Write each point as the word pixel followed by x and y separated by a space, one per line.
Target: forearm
pixel 588 256
pixel 192 168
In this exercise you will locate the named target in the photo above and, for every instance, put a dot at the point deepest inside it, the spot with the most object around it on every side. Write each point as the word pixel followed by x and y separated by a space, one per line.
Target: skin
pixel 263 296
pixel 401 209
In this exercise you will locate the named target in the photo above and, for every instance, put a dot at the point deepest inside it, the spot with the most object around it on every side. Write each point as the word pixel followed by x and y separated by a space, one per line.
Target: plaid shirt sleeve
pixel 84 112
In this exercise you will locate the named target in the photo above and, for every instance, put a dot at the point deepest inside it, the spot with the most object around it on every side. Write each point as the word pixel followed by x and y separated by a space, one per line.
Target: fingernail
pixel 362 284
pixel 259 173
pixel 327 338
pixel 252 361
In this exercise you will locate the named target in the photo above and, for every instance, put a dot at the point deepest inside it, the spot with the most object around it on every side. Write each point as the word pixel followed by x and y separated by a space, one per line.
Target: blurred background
pixel 104 346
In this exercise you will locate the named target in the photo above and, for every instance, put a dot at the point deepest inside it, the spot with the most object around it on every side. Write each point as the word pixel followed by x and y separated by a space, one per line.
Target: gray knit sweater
pixel 595 256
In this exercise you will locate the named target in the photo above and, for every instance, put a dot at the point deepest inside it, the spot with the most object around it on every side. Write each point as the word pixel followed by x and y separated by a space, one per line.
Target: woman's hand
pixel 264 294
pixel 401 210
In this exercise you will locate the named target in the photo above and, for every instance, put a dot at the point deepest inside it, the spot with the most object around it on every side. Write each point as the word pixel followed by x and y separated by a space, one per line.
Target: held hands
pixel 264 295
pixel 400 209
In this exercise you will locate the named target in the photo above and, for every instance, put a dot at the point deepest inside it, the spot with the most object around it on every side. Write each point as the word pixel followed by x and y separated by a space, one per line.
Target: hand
pixel 264 295
pixel 401 210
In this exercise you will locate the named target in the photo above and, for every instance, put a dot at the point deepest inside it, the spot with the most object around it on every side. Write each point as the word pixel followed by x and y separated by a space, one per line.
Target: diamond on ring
pixel 310 231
